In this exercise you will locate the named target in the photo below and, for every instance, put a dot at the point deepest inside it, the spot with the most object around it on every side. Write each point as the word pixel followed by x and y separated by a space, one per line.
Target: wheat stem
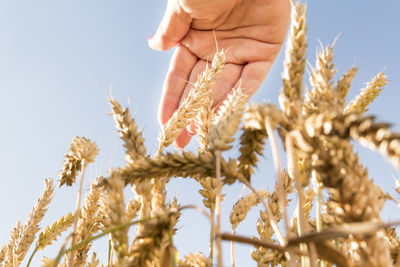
pixel 218 208
pixel 31 257
pixel 278 170
pixel 233 250
pixel 92 238
pixel 212 232
pixel 78 207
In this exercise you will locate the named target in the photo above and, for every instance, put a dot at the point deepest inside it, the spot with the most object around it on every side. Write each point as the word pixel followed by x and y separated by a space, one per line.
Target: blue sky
pixel 58 60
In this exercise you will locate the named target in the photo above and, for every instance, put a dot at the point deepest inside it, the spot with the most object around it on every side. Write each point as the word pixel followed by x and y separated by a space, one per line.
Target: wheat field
pixel 323 210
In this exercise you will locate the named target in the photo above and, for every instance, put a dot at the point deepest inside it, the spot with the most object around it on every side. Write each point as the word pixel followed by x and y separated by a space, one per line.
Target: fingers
pixel 173 27
pixel 182 140
pixel 253 75
pixel 182 63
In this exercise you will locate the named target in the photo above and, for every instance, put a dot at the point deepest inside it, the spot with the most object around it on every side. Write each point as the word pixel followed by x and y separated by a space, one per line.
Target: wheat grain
pixel 132 209
pixel 3 253
pixel 194 260
pixel 94 261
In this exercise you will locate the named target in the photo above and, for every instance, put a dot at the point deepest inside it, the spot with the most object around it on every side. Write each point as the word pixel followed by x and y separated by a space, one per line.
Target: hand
pixel 250 31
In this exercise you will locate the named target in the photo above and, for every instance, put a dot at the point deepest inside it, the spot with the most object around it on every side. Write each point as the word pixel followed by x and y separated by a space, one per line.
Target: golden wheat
pixel 317 134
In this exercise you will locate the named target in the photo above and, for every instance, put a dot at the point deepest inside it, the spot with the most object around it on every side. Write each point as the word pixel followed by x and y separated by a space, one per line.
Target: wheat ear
pixel 132 209
pixel 291 95
pixel 146 244
pixel 262 255
pixel 31 227
pixel 89 223
pixel 128 132
pixel 7 251
pixel 51 233
pixel 94 261
pixel 321 98
pixel 193 103
pixel 183 165
pixel 80 149
pixel 343 86
pixel 244 205
pixel 54 230
pixel 114 208
pixel 254 134
pixel 227 122
pixel 368 94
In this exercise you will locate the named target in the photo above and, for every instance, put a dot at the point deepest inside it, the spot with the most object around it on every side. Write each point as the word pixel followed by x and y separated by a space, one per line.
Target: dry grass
pixel 337 220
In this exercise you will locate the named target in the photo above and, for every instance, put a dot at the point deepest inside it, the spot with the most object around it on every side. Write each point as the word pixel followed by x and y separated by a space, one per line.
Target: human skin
pixel 250 31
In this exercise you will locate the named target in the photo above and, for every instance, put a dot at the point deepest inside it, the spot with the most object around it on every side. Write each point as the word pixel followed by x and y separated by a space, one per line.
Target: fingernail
pixel 151 37
pixel 177 146
pixel 190 133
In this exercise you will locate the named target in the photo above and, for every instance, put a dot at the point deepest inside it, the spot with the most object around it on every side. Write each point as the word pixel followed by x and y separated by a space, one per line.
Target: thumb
pixel 173 27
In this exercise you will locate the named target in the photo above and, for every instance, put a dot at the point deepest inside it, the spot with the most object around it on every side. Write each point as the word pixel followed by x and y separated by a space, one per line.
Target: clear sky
pixel 59 58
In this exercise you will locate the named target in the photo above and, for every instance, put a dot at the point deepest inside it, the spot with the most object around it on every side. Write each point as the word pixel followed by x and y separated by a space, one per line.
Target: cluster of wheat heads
pixel 316 132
